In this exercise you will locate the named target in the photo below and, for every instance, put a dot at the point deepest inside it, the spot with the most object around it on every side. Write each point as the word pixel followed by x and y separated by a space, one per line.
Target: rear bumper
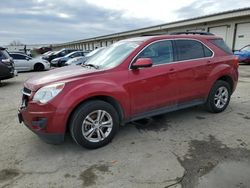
pixel 8 72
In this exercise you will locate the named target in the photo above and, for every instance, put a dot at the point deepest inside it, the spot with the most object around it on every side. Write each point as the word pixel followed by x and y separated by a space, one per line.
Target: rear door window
pixel 160 52
pixel 18 56
pixel 191 49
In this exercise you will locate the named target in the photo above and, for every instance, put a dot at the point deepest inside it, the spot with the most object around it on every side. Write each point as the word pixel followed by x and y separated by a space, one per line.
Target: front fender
pixel 76 95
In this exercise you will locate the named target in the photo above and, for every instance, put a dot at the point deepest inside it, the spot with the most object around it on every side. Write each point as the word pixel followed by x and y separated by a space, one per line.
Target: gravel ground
pixel 189 148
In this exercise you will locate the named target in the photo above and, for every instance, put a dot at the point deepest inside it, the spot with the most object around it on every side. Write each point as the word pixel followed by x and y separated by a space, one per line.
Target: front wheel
pixel 219 97
pixel 39 67
pixel 94 124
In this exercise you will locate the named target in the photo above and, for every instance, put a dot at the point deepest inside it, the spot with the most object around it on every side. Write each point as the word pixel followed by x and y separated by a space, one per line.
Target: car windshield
pixel 113 55
pixel 94 52
pixel 246 48
pixel 58 52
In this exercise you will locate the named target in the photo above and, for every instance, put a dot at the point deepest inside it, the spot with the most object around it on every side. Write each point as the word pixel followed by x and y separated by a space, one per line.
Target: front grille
pixel 25 99
pixel 26 91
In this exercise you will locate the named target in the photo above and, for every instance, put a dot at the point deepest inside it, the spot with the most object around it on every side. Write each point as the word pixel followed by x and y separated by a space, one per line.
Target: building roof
pixel 200 19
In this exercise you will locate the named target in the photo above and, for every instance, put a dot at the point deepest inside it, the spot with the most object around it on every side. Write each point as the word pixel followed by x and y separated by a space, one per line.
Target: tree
pixel 16 43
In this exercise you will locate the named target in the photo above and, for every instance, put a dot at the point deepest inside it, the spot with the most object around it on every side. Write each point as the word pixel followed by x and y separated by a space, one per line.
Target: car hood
pixel 56 59
pixel 38 58
pixel 57 75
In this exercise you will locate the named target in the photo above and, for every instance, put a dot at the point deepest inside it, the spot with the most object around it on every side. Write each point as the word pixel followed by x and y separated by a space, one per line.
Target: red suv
pixel 130 80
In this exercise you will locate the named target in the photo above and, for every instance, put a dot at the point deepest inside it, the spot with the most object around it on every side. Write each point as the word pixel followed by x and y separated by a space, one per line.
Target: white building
pixel 233 26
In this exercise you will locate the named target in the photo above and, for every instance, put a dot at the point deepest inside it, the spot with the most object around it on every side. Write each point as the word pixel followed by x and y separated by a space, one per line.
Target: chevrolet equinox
pixel 131 79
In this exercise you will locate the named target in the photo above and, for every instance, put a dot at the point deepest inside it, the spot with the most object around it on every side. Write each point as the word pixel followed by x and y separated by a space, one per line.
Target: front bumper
pixel 38 128
pixel 46 120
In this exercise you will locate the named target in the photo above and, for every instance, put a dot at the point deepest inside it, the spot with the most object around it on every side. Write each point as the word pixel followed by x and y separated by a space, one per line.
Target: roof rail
pixel 152 34
pixel 191 33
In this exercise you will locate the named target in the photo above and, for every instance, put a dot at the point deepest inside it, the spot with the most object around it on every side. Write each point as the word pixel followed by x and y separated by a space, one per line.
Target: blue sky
pixel 55 21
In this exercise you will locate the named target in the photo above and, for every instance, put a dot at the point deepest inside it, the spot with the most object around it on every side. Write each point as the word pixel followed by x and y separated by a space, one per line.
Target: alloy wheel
pixel 221 97
pixel 97 126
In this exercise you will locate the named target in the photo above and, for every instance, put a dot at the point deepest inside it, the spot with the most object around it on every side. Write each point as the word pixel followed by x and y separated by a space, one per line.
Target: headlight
pixel 45 61
pixel 47 93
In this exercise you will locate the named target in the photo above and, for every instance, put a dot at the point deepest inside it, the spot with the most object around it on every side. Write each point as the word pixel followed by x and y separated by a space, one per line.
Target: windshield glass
pixel 58 52
pixel 94 52
pixel 113 55
pixel 246 48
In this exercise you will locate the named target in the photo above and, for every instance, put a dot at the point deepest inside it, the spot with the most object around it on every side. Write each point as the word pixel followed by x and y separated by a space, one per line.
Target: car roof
pixel 177 36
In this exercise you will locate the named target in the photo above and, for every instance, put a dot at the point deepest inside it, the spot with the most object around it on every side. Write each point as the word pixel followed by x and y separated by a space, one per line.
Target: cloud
pixel 205 7
pixel 46 21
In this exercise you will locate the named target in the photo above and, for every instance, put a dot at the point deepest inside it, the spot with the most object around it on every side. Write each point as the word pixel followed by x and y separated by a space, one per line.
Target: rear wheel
pixel 94 124
pixel 39 67
pixel 219 97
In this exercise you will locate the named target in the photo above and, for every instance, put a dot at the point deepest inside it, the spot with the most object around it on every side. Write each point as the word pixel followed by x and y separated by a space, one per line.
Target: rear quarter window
pixel 222 45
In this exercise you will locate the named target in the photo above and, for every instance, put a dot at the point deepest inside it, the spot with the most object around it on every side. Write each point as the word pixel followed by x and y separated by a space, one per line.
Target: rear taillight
pixel 236 62
pixel 6 61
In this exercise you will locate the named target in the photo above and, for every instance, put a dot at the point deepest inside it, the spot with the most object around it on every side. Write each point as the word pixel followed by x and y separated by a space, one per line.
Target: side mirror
pixel 27 58
pixel 142 63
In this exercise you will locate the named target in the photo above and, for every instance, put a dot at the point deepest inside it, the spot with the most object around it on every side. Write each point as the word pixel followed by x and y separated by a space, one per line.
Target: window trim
pixel 174 51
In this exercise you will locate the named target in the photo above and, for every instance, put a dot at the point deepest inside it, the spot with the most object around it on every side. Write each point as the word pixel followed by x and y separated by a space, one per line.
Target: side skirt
pixel 166 109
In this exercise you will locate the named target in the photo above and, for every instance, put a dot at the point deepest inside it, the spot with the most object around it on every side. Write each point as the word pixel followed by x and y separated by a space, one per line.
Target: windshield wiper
pixel 90 65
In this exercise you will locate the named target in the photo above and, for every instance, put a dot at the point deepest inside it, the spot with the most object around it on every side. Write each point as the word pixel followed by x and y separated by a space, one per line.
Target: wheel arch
pixel 105 98
pixel 38 63
pixel 227 79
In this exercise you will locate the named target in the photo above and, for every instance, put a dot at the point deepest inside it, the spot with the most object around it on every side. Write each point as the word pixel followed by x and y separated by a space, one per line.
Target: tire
pixel 88 112
pixel 39 67
pixel 61 63
pixel 219 97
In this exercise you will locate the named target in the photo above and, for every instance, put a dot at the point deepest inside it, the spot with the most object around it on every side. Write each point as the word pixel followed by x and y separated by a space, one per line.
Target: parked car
pixel 47 53
pixel 244 54
pixel 43 49
pixel 7 69
pixel 82 59
pixel 129 80
pixel 60 61
pixel 57 54
pixel 26 63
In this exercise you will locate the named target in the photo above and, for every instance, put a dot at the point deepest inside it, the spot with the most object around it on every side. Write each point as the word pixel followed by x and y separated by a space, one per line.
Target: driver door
pixel 155 87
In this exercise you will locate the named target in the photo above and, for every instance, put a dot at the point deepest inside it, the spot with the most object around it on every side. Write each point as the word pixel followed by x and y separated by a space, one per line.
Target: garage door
pixel 220 31
pixel 242 37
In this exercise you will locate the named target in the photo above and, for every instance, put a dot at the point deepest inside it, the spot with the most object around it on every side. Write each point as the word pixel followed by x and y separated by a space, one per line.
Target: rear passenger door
pixel 194 60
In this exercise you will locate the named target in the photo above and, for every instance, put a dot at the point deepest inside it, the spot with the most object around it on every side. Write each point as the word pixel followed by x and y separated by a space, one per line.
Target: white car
pixel 60 61
pixel 26 63
pixel 82 59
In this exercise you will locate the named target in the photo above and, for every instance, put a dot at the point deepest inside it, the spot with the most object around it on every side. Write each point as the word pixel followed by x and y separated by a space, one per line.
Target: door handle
pixel 172 69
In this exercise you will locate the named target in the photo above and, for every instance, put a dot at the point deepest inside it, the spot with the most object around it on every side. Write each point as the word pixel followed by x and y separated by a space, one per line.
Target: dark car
pixel 7 69
pixel 129 80
pixel 43 50
pixel 57 54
